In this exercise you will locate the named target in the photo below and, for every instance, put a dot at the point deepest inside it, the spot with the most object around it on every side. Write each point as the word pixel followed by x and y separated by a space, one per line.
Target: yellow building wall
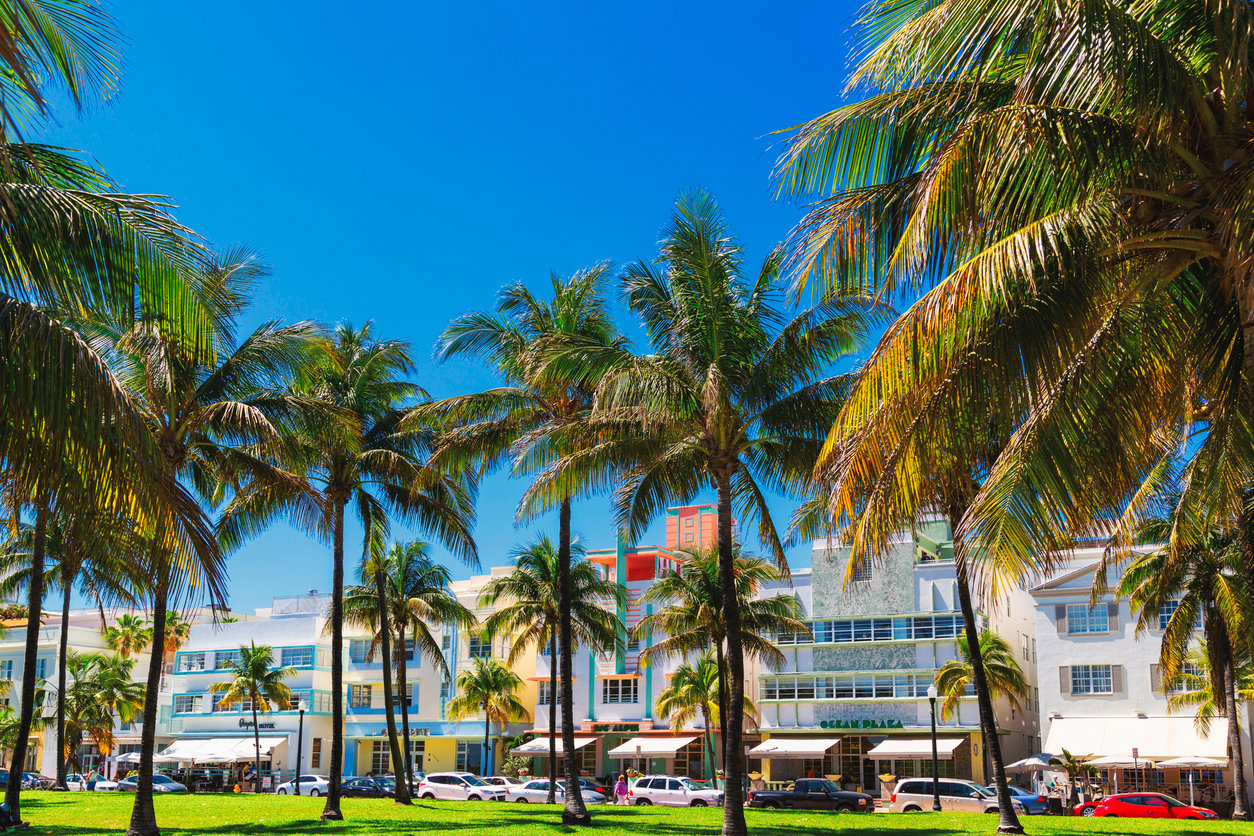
pixel 441 754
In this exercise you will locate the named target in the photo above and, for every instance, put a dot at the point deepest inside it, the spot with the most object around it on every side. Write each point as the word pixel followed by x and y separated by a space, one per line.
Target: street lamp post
pixel 300 741
pixel 931 698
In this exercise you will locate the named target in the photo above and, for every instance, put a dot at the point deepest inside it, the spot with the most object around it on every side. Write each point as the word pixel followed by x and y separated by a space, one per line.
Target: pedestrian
pixel 620 790
pixel 92 778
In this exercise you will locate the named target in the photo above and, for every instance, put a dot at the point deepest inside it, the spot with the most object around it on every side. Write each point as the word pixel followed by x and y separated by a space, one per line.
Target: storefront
pixel 861 762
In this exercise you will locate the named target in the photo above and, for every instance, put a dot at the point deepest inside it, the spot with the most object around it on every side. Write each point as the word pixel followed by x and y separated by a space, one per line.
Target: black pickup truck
pixel 813 794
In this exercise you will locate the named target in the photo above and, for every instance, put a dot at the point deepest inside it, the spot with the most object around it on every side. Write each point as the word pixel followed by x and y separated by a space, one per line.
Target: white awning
pixel 650 747
pixel 916 747
pixel 780 748
pixel 1154 738
pixel 219 749
pixel 540 746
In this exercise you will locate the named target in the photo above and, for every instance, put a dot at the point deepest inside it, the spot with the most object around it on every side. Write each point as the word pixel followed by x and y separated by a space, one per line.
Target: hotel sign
pixel 860 724
pixel 248 724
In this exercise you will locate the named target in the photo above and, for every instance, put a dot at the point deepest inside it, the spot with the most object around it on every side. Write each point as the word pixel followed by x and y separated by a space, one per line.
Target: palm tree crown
pixel 489 689
pixel 255 682
pixel 1005 678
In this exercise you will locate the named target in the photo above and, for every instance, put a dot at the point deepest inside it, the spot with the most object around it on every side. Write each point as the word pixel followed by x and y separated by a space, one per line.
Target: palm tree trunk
pixel 257 749
pixel 574 812
pixel 707 740
pixel 12 794
pixel 552 797
pixel 402 680
pixel 62 754
pixel 1008 820
pixel 487 733
pixel 331 812
pixel 389 704
pixel 143 815
pixel 1218 641
pixel 733 771
pixel 721 658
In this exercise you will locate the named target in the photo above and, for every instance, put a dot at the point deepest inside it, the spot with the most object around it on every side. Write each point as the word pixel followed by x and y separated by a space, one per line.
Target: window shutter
pixel 1116 679
pixel 1060 618
pixel 376 697
pixel 1112 616
pixel 1156 678
pixel 1064 679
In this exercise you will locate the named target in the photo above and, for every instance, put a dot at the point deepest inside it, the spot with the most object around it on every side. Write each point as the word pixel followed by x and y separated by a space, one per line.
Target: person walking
pixel 620 790
pixel 92 778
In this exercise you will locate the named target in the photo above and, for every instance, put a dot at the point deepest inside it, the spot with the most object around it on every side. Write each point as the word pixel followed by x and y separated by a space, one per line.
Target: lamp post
pixel 931 698
pixel 300 741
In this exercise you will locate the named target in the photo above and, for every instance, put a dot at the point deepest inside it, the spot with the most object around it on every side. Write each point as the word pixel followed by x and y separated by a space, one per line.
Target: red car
pixel 1143 805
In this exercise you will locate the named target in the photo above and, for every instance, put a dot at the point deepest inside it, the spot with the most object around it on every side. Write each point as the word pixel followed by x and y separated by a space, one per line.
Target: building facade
pixel 1102 694
pixel 851 701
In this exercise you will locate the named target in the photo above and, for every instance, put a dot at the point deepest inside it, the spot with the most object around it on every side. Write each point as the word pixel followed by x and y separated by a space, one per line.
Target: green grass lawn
pixel 99 813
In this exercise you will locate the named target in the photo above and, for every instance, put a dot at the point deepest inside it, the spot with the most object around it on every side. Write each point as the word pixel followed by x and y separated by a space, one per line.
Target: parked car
pixel 589 785
pixel 813 794
pixel 160 784
pixel 104 785
pixel 309 785
pixel 914 795
pixel 673 791
pixel 1035 803
pixel 1143 805
pixel 537 792
pixel 366 788
pixel 35 781
pixel 502 781
pixel 459 786
pixel 75 782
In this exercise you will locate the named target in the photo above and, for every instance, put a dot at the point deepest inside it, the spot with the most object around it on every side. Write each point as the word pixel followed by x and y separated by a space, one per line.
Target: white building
pixel 1101 693
pixel 852 701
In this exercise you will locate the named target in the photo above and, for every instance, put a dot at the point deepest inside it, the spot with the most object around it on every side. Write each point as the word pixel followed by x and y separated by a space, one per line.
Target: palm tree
pixel 694 689
pixel 524 419
pixel 1074 767
pixel 214 412
pixel 102 691
pixel 347 444
pixel 82 550
pixel 118 693
pixel 532 614
pixel 258 683
pixel 736 397
pixel 176 632
pixel 691 618
pixel 1001 669
pixel 418 596
pixel 1202 571
pixel 488 688
pixel 129 636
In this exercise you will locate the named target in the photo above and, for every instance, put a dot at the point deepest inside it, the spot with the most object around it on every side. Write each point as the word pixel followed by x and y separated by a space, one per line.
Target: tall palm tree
pixel 736 397
pixel 1202 571
pixel 1193 689
pixel 176 632
pixel 256 681
pixel 213 410
pixel 524 421
pixel 532 614
pixel 118 693
pixel 101 692
pixel 129 636
pixel 694 690
pixel 83 550
pixel 347 444
pixel 1075 767
pixel 418 596
pixel 488 688
pixel 691 618
pixel 1005 677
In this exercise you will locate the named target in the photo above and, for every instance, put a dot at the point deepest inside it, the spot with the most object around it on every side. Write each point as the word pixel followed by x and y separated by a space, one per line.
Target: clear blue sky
pixel 401 161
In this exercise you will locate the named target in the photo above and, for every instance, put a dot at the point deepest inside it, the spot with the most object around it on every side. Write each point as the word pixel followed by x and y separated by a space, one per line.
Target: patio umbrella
pixel 1121 762
pixel 1033 764
pixel 1191 763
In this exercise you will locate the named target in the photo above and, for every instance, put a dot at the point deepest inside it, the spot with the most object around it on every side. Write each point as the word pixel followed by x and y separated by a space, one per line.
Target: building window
pixel 1189 672
pixel 359 696
pixel 1034 651
pixel 226 658
pixel 1081 619
pixel 861 572
pixel 1091 679
pixel 187 703
pixel 469 753
pixel 359 651
pixel 688 538
pixel 687 522
pixel 187 662
pixel 877 630
pixel 381 757
pixel 409 649
pixel 315 753
pixel 409 694
pixel 543 692
pixel 479 648
pixel 41 668
pixel 6 669
pixel 1025 647
pixel 846 687
pixel 633 644
pixel 446 690
pixel 322 702
pixel 619 691
pixel 296 657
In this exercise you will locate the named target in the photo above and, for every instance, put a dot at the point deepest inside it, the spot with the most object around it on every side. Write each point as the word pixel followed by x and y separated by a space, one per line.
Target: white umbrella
pixel 1033 764
pixel 1191 763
